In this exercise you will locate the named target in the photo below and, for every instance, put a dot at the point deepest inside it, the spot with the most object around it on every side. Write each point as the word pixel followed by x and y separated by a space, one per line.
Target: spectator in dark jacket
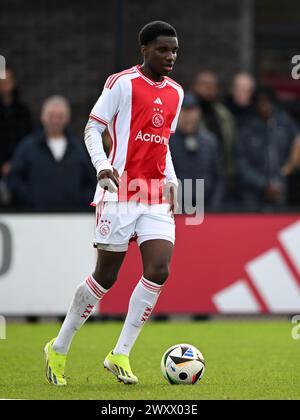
pixel 292 171
pixel 15 123
pixel 216 118
pixel 239 101
pixel 195 154
pixel 15 120
pixel 263 148
pixel 50 169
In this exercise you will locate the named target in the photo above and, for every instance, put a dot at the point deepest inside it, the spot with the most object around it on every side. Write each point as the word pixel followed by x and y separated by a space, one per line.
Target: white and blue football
pixel 183 364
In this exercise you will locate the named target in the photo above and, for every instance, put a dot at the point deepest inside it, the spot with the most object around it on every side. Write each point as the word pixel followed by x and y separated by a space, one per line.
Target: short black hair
pixel 154 29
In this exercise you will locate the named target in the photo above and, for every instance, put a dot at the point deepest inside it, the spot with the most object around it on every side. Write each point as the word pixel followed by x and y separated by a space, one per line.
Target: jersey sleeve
pixel 175 121
pixel 170 171
pixel 108 103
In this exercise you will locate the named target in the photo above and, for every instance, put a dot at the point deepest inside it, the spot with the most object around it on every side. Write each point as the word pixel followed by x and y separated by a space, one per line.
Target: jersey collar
pixel 151 82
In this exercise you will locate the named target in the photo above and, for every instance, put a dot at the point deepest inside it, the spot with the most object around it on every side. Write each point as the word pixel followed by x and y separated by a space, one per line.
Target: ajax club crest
pixel 104 227
pixel 158 119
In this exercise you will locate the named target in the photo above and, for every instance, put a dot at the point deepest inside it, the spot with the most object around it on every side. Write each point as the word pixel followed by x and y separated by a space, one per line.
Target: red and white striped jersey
pixel 140 115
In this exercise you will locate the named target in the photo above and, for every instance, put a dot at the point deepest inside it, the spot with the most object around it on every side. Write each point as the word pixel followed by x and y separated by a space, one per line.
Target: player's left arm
pixel 171 185
pixel 171 178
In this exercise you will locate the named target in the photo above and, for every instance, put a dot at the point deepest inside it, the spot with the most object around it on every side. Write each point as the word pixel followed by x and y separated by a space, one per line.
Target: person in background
pixel 292 171
pixel 15 123
pixel 196 155
pixel 263 148
pixel 215 116
pixel 50 169
pixel 239 101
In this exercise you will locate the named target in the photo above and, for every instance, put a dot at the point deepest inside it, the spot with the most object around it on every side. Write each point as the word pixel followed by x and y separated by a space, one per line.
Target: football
pixel 183 364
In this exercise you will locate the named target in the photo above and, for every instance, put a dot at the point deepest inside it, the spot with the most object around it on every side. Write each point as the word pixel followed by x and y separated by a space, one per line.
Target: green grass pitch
pixel 244 360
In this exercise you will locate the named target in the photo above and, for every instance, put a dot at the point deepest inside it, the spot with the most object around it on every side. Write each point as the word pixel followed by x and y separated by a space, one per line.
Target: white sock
pixel 87 295
pixel 141 304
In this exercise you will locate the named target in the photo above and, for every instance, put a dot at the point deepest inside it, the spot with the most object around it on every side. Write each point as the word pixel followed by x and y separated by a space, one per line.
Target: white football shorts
pixel 118 222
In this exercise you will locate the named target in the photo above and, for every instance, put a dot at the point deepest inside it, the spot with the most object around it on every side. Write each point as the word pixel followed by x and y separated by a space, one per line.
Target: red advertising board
pixel 228 264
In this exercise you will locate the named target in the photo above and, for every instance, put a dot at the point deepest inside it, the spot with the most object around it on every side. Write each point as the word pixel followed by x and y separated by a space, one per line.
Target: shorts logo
pixel 104 228
pixel 158 120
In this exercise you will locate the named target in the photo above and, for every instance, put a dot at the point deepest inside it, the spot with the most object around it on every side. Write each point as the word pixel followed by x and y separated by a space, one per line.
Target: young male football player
pixel 140 108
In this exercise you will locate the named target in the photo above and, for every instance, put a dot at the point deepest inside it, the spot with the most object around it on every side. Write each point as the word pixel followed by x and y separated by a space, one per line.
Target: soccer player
pixel 140 106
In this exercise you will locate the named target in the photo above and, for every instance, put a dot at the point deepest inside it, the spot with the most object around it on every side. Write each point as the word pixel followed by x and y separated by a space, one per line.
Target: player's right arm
pixel 101 115
pixel 106 175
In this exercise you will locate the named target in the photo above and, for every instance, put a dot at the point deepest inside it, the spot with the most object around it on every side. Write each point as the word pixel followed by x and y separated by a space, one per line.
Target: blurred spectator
pixel 263 148
pixel 215 116
pixel 292 105
pixel 239 101
pixel 292 171
pixel 50 169
pixel 15 123
pixel 195 153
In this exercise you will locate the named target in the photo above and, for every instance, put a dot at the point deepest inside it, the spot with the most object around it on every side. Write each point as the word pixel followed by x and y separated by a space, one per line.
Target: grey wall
pixel 68 47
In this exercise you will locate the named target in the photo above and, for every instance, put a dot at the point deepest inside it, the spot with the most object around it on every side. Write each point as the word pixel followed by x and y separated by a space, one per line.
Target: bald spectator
pixel 50 169
pixel 239 101
pixel 216 118
pixel 196 156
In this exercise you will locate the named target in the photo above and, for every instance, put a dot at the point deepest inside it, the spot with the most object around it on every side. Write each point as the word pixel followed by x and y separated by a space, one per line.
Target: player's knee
pixel 157 273
pixel 105 279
